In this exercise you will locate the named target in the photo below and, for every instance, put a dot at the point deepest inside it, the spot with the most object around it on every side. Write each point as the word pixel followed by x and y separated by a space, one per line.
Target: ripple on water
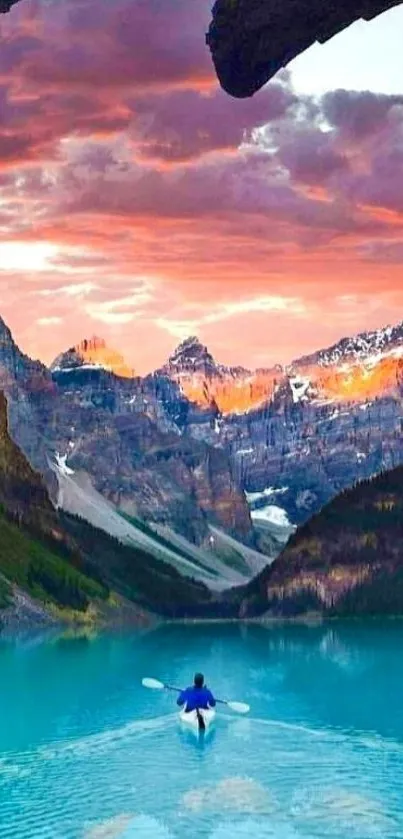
pixel 105 762
pixel 255 829
pixel 110 829
pixel 146 827
pixel 105 740
pixel 337 809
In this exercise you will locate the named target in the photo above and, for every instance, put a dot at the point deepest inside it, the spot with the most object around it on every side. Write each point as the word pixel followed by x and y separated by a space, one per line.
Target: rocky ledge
pixel 250 40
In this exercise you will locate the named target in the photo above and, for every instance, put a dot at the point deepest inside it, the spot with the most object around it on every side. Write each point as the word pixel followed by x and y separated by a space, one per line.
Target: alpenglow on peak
pixel 93 353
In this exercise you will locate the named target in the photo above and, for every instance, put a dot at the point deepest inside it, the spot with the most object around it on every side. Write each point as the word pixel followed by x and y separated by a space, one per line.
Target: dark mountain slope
pixel 136 575
pixel 348 560
pixel 36 553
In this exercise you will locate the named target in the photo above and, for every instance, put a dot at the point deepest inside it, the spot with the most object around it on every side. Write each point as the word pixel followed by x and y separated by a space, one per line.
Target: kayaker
pixel 198 696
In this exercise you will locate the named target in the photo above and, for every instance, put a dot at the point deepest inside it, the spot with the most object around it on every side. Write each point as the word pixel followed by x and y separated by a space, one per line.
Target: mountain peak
pixel 191 353
pixel 192 340
pixel 93 353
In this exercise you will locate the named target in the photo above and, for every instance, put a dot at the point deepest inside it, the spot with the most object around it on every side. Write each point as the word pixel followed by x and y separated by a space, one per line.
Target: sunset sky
pixel 141 203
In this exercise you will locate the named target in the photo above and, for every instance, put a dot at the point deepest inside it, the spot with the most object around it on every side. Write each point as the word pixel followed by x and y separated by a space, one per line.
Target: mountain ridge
pixel 191 363
pixel 266 418
pixel 156 454
pixel 128 435
pixel 118 430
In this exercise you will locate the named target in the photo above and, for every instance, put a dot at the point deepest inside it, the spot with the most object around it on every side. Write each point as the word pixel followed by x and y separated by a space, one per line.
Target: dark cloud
pixel 358 114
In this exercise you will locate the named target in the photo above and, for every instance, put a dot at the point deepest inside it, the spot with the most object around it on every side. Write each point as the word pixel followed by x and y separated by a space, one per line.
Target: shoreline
pixel 28 616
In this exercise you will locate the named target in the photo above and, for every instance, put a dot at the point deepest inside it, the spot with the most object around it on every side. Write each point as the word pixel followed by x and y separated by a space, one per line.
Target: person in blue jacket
pixel 196 698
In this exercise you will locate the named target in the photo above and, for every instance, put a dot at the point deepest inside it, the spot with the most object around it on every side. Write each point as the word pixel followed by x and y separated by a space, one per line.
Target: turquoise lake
pixel 88 753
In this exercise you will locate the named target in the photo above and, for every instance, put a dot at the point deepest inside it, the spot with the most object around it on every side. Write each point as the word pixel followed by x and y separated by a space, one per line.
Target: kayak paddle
pixel 154 684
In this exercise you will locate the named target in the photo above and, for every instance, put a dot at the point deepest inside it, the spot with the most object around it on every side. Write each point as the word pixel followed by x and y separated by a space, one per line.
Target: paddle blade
pixel 239 707
pixel 154 684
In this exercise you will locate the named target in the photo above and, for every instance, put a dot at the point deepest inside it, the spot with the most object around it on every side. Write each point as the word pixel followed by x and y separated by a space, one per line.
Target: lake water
pixel 88 753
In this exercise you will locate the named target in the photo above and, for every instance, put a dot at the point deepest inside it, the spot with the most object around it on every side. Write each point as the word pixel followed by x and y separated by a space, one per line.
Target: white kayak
pixel 189 718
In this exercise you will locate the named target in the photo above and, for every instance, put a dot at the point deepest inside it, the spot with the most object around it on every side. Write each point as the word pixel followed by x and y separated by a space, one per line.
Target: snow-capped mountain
pixel 358 369
pixel 301 433
pixel 365 346
pixel 293 437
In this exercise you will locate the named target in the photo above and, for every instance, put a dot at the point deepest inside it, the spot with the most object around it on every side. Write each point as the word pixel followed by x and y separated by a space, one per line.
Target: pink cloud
pixel 184 124
pixel 117 146
pixel 119 45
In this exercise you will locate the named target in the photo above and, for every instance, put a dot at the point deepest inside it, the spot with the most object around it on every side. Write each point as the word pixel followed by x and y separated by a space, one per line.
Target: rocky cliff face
pixel 336 418
pixel 221 389
pixel 51 561
pixel 347 560
pixel 30 392
pixel 41 567
pixel 124 435
pixel 117 432
pixel 328 420
pixel 298 456
pixel 171 448
pixel 294 436
pixel 23 495
pixel 250 40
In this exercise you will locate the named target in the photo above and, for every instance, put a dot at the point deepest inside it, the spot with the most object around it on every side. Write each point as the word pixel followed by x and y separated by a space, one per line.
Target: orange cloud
pixel 137 199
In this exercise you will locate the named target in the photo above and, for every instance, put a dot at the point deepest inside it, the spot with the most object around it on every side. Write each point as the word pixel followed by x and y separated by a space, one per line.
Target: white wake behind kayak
pixel 189 718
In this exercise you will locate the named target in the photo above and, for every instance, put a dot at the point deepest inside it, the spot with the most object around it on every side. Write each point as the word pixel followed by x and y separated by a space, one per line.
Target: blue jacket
pixel 196 698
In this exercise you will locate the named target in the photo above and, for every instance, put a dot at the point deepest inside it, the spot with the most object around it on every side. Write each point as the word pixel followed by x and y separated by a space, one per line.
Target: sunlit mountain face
pixel 354 382
pixel 295 434
pixel 354 370
pixel 204 381
pixel 94 352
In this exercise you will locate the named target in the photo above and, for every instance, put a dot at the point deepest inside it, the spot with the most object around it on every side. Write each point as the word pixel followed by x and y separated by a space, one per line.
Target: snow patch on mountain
pixel 59 369
pixel 272 514
pixel 253 497
pixel 366 346
pixel 61 464
pixel 217 426
pixel 299 386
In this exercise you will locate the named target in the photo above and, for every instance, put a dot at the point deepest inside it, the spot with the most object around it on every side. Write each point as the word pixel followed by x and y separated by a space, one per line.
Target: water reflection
pixel 86 751
pixel 357 661
pixel 286 672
